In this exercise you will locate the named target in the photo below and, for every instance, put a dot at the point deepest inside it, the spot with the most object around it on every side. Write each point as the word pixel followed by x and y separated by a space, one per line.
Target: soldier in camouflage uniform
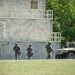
pixel 48 49
pixel 17 51
pixel 29 52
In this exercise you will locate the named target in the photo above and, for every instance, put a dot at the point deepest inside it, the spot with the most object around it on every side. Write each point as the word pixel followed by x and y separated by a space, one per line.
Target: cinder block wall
pixel 39 51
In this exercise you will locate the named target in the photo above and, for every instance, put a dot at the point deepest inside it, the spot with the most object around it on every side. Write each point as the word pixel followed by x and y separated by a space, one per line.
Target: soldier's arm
pixel 27 49
pixel 46 46
pixel 19 48
pixel 14 48
pixel 31 49
pixel 52 49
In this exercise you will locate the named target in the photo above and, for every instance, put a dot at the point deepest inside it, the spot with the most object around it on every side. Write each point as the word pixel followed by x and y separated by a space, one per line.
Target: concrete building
pixel 26 22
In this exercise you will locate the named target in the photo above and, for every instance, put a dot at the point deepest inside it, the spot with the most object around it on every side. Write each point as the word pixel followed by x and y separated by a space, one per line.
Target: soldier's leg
pixel 48 56
pixel 28 57
pixel 15 55
pixel 18 56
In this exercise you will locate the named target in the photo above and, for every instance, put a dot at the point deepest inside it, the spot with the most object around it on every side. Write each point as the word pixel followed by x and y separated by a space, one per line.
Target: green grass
pixel 37 67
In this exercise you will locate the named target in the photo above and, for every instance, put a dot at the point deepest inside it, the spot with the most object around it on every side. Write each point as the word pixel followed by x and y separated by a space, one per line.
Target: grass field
pixel 37 67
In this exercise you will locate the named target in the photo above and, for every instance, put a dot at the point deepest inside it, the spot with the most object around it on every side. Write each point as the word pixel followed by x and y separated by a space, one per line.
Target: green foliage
pixel 64 17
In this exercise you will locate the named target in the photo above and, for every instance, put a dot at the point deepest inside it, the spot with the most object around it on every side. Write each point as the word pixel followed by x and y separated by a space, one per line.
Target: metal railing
pixel 56 36
pixel 26 13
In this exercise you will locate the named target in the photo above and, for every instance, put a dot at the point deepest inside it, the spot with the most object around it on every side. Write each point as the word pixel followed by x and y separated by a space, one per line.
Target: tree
pixel 64 18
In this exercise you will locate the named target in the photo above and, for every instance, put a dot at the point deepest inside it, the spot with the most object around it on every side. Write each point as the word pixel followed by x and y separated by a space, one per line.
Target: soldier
pixel 48 49
pixel 17 51
pixel 29 52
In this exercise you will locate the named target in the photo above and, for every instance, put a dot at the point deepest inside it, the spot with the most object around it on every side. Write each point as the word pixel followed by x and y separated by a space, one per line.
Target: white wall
pixel 21 3
pixel 31 30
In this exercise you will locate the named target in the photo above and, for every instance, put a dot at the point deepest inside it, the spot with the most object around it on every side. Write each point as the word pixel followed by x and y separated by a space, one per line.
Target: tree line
pixel 63 18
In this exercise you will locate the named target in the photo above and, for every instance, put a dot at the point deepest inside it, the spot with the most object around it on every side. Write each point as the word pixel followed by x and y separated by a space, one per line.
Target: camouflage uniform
pixel 29 52
pixel 48 49
pixel 17 51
